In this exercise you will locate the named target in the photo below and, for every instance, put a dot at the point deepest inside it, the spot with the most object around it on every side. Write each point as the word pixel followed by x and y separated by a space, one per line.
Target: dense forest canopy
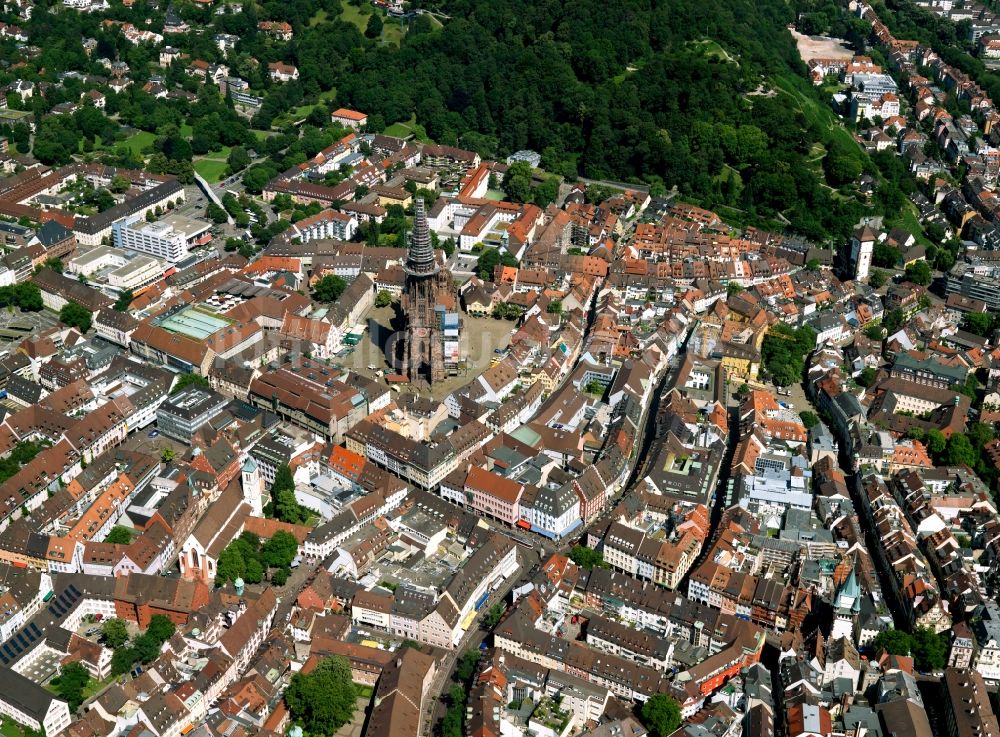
pixel 708 97
pixel 677 92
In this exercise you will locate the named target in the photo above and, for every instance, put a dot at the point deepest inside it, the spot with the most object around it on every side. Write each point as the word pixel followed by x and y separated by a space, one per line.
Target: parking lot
pixel 16 325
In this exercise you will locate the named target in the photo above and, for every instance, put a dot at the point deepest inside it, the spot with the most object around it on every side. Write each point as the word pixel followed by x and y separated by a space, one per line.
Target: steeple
pixel 420 260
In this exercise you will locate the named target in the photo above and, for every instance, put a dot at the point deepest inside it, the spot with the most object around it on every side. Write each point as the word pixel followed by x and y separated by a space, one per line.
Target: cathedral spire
pixel 420 260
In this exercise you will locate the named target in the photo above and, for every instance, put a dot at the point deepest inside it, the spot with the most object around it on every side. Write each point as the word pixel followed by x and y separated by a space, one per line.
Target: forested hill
pixel 653 90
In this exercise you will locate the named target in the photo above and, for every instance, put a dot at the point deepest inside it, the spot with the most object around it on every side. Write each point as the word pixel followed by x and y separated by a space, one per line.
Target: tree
pixel 167 455
pixel 124 301
pixel 231 565
pixel 812 265
pixel 119 184
pixel 283 479
pixel 122 660
pixel 374 27
pixel 545 193
pixel 161 628
pixel 892 641
pixel 930 649
pixel 555 307
pixel 279 577
pixel 960 451
pixel 75 316
pixel 329 288
pixel 119 535
pixel 465 669
pixel 186 380
pixel 809 419
pixel 842 164
pixel 73 678
pixel 280 550
pixel 980 323
pixel 784 351
pixel 254 572
pixel 494 615
pixel 919 273
pixel 661 715
pixel 936 442
pixel 257 176
pixel 885 255
pixel 238 159
pixel 323 700
pixel 287 509
pixel 490 258
pixel 55 264
pixel 517 181
pixel 586 557
pixel 114 632
pixel 383 298
pixel 877 278
pixel 216 214
pixel 867 377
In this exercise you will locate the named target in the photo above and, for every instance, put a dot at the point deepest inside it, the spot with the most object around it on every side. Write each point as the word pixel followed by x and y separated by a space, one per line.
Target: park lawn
pixel 398 130
pixel 392 31
pixel 909 222
pixel 318 17
pixel 212 170
pixel 408 128
pixel 222 154
pixel 713 50
pixel 10 728
pixel 353 14
pixel 139 141
pixel 186 131
pixel 822 116
pixel 94 686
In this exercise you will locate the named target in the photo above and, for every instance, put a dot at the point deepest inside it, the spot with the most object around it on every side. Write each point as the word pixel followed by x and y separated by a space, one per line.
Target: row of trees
pixel 453 724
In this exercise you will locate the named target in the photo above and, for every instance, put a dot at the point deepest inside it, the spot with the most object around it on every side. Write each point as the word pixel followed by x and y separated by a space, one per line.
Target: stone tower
pixel 426 282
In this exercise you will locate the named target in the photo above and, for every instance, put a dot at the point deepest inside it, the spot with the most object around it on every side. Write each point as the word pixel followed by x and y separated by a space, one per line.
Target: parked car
pixel 153 433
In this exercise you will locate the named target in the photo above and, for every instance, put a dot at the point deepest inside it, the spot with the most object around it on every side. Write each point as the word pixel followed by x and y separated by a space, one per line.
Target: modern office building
pixel 181 415
pixel 169 238
pixel 119 269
